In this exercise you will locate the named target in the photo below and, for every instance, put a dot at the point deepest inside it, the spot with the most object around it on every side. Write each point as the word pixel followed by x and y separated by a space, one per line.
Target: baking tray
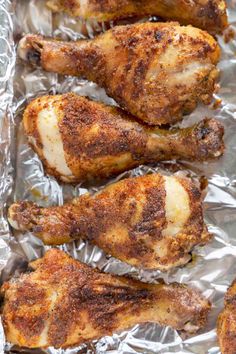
pixel 22 177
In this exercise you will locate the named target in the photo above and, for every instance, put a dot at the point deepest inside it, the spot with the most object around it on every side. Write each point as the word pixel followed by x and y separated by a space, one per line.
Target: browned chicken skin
pixel 78 139
pixel 151 221
pixel 64 303
pixel 156 71
pixel 226 326
pixel 206 14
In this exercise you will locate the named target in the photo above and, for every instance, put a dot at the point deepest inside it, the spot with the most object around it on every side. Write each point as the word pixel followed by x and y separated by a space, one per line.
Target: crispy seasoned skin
pixel 64 303
pixel 79 140
pixel 226 326
pixel 207 14
pixel 151 221
pixel 156 71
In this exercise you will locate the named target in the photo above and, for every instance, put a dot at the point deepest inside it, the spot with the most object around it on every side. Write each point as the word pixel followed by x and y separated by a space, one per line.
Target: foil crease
pixel 22 177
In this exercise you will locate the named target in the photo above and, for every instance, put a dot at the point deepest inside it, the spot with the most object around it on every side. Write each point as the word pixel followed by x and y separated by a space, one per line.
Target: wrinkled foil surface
pixel 22 177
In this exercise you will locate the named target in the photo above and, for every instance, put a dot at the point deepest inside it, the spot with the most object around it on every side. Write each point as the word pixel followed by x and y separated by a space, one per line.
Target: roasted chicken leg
pixel 156 71
pixel 79 140
pixel 207 14
pixel 64 303
pixel 226 326
pixel 151 221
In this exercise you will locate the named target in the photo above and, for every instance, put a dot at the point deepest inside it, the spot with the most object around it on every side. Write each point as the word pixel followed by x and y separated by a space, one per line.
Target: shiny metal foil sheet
pixel 22 177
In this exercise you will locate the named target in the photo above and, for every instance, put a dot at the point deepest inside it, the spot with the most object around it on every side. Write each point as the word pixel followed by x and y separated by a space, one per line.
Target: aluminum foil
pixel 22 177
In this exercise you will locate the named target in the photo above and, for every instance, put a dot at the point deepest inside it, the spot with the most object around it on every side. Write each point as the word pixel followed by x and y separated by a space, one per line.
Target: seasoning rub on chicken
pixel 226 327
pixel 64 303
pixel 156 71
pixel 81 140
pixel 206 14
pixel 151 222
